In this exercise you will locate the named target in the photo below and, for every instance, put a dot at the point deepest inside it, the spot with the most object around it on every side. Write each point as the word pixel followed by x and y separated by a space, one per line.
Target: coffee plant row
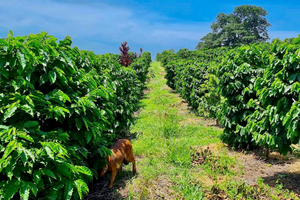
pixel 60 107
pixel 193 75
pixel 253 90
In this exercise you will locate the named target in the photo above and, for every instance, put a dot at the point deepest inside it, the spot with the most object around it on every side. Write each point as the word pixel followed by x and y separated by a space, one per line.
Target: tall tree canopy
pixel 247 24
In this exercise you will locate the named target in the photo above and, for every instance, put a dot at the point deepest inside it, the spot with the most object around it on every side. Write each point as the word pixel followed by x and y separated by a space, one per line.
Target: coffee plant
pixel 253 90
pixel 61 108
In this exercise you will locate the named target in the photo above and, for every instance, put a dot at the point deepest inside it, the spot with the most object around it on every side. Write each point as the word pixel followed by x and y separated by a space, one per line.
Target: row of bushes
pixel 253 90
pixel 261 92
pixel 193 75
pixel 60 108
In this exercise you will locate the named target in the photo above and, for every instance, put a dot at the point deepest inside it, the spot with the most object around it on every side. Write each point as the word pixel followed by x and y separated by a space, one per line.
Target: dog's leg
pixel 113 176
pixel 133 166
pixel 121 167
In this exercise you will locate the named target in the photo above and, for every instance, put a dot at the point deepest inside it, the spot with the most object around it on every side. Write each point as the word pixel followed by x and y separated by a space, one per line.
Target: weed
pixel 187 187
pixel 169 126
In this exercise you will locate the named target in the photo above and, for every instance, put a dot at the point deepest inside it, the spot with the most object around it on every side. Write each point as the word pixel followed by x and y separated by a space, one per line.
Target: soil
pixel 160 188
pixel 284 170
pixel 275 170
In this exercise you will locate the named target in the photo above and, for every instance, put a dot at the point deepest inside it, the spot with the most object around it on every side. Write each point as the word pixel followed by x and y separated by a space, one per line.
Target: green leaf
pixel 10 191
pixel 14 84
pixel 21 59
pixel 298 77
pixel 4 73
pixel 11 110
pixel 53 193
pixel 52 76
pixel 68 190
pixel 71 167
pixel 85 121
pixel 25 190
pixel 88 136
pixel 33 188
pixel 10 147
pixel 48 172
pixel 30 124
pixel 27 109
pixel 4 127
pixel 61 111
pixel 37 176
pixel 63 170
pixel 78 123
pixel 49 152
pixel 25 136
pixel 81 187
pixel 29 101
pixel 292 78
pixel 84 170
pixel 62 96
pixel 30 154
pixel 5 48
pixel 24 158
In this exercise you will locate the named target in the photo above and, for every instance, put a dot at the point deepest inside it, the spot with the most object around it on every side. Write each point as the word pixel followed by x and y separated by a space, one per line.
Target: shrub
pixel 237 76
pixel 61 108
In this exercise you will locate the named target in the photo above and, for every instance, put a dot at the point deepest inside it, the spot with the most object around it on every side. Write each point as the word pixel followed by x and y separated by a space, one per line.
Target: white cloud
pixel 108 23
pixel 99 27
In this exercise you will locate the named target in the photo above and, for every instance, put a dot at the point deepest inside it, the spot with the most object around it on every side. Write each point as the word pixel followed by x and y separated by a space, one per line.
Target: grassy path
pixel 166 134
pixel 173 161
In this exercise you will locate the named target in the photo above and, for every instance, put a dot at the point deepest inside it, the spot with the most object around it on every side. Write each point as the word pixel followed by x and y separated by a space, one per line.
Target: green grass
pixel 163 149
pixel 163 145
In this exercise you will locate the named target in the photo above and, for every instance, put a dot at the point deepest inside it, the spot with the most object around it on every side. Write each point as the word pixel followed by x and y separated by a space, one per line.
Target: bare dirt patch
pixel 161 189
pixel 203 154
pixel 277 169
pixel 146 91
pixel 216 194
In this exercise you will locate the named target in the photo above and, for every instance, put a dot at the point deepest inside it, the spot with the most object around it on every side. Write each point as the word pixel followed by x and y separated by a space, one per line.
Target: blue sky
pixel 154 25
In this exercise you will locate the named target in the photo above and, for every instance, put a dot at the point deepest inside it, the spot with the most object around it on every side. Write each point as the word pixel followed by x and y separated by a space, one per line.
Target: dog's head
pixel 105 168
pixel 103 171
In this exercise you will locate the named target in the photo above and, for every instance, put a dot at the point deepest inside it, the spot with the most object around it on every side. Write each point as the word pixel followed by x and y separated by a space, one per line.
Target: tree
pixel 183 53
pixel 172 50
pixel 247 24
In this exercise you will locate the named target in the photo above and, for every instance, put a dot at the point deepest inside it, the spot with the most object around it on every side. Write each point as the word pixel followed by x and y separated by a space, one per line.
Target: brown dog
pixel 121 153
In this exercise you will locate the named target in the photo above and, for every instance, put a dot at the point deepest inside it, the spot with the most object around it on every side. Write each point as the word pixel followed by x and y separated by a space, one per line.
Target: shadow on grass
pixel 99 188
pixel 275 170
pixel 284 180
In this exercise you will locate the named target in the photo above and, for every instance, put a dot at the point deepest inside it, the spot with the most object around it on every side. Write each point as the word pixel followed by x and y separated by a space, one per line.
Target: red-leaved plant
pixel 141 52
pixel 125 58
